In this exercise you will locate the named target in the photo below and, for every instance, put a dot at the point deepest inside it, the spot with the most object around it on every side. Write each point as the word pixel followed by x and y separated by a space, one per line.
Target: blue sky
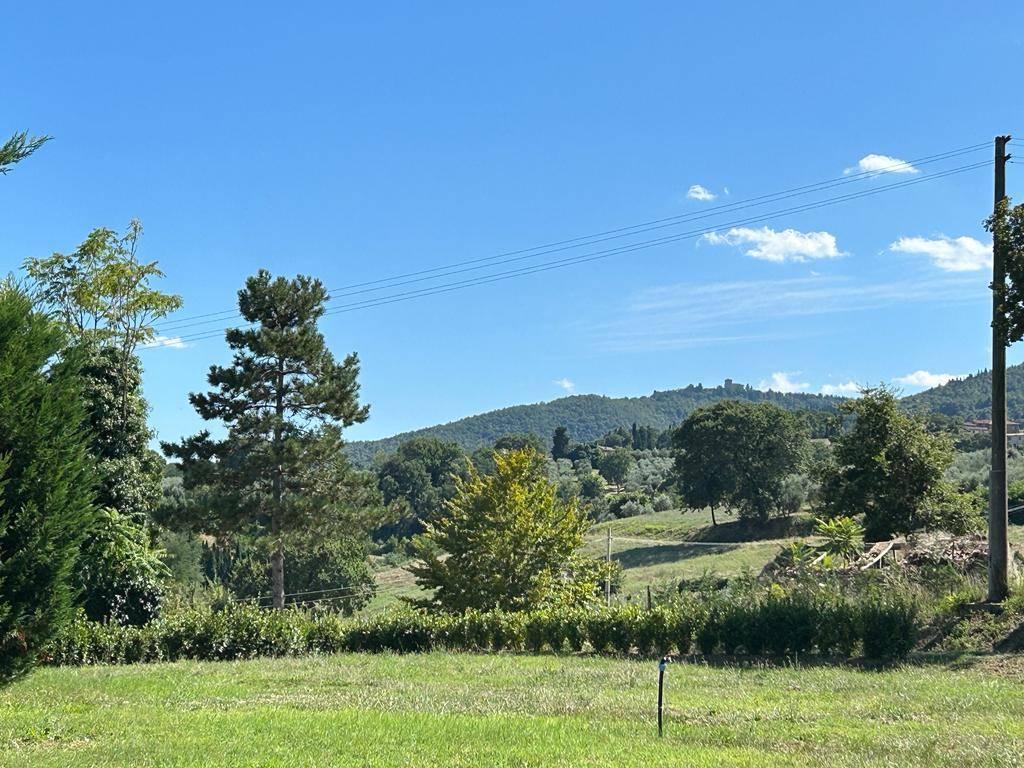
pixel 359 141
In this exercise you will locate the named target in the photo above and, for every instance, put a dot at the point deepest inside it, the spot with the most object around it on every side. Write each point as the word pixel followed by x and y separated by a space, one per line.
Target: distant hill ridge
pixel 588 417
pixel 971 396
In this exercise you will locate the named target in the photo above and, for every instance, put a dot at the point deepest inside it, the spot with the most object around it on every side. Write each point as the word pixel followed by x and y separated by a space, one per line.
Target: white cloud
pixel 844 389
pixel 927 379
pixel 175 342
pixel 771 245
pixel 953 254
pixel 783 382
pixel 697 192
pixel 565 384
pixel 881 164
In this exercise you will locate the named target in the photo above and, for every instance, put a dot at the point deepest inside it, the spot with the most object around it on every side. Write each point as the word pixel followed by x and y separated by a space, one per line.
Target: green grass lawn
pixel 505 710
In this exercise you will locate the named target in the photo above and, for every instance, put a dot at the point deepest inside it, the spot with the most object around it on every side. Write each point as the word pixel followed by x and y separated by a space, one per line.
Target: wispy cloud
pixel 687 315
pixel 778 246
pixel 175 342
pixel 881 164
pixel 927 379
pixel 953 254
pixel 565 384
pixel 845 389
pixel 782 381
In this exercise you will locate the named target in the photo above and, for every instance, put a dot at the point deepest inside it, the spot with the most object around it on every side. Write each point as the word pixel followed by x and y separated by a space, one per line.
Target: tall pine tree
pixel 284 401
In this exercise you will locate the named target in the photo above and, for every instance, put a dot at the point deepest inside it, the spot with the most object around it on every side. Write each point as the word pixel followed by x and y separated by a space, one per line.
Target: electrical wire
pixel 579 259
pixel 587 240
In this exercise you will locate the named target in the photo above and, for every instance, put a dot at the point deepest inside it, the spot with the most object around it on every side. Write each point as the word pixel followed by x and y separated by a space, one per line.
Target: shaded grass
pixel 467 710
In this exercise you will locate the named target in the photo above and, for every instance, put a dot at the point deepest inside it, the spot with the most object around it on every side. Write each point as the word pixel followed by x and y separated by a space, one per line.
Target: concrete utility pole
pixel 998 548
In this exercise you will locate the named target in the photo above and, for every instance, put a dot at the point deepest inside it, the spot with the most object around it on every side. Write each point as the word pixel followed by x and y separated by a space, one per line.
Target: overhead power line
pixel 173 326
pixel 603 254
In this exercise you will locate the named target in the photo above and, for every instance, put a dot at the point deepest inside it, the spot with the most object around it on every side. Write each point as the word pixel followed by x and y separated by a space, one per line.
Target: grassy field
pixel 475 710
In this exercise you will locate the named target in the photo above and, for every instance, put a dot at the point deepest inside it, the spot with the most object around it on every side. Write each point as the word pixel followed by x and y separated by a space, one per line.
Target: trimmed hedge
pixel 769 622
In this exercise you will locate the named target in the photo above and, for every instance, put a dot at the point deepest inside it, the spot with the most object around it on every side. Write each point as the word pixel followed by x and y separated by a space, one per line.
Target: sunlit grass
pixel 476 710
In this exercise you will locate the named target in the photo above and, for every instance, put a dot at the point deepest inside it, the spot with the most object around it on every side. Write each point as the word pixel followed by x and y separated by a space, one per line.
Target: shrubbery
pixel 762 622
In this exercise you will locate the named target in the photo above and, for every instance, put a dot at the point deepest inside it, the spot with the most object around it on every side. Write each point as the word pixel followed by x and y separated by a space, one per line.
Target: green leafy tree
pixel 739 454
pixel 614 466
pixel 560 444
pixel 419 476
pixel 17 148
pixel 889 468
pixel 46 481
pixel 103 295
pixel 1007 227
pixel 506 542
pixel 284 401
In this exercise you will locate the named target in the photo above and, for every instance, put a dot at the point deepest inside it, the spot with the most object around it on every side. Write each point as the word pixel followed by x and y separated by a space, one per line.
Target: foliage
pixel 739 454
pixel 103 297
pixel 844 537
pixel 120 574
pixel 614 465
pixel 889 468
pixel 17 148
pixel 420 477
pixel 560 443
pixel 506 541
pixel 331 572
pixel 284 401
pixel 102 290
pixel 46 481
pixel 765 621
pixel 1007 228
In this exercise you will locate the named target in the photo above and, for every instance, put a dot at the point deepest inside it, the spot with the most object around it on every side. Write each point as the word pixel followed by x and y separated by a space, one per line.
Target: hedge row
pixel 772 623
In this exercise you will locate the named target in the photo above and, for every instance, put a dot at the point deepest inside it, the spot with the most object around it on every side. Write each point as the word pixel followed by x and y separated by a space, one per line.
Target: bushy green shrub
pixel 889 626
pixel 752 619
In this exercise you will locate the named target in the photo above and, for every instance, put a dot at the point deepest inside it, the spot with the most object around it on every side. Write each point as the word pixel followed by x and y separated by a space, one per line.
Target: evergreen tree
pixel 560 443
pixel 284 401
pixel 46 481
pixel 17 148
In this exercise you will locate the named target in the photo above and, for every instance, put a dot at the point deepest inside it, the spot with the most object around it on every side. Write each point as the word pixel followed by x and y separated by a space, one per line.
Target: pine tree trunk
pixel 277 558
pixel 277 572
pixel 713 521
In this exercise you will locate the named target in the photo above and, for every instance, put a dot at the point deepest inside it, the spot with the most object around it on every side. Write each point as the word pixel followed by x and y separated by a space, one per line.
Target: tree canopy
pixel 739 454
pixel 889 468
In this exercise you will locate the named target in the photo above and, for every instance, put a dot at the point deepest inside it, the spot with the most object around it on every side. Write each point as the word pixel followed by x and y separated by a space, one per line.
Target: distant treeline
pixel 589 417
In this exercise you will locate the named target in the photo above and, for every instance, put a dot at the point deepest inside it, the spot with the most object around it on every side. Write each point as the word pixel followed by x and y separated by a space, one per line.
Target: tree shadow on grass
pixel 739 531
pixel 667 553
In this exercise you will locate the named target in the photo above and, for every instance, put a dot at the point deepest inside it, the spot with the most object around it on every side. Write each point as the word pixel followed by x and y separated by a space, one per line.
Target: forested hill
pixel 971 397
pixel 588 417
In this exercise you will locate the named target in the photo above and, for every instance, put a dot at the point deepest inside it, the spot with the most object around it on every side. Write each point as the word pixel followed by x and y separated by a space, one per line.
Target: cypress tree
pixel 46 481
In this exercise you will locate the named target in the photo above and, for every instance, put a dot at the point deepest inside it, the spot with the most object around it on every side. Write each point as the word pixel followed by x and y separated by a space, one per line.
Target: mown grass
pixel 503 710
